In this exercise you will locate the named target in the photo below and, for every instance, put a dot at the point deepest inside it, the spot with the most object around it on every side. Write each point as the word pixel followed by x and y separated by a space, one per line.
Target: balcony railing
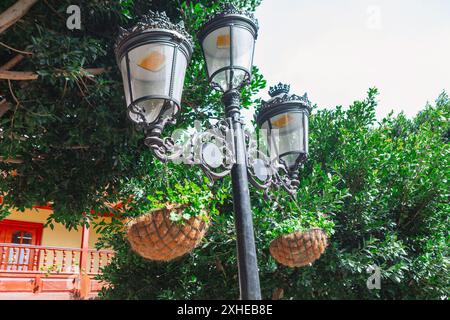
pixel 17 258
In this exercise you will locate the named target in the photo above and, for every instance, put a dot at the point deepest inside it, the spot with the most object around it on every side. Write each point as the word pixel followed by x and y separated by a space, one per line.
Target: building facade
pixel 38 262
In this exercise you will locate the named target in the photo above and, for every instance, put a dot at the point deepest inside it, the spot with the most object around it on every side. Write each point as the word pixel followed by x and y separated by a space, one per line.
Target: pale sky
pixel 335 50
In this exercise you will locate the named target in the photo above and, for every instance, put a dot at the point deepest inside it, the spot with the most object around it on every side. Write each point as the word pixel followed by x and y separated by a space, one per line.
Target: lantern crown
pixel 279 89
pixel 224 13
pixel 153 20
pixel 281 100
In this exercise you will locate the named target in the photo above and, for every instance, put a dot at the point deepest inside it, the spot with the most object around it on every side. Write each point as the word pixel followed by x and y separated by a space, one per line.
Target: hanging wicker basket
pixel 155 237
pixel 298 249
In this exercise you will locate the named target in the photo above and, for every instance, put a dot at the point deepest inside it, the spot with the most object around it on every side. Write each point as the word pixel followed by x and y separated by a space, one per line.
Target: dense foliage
pixel 380 190
pixel 68 128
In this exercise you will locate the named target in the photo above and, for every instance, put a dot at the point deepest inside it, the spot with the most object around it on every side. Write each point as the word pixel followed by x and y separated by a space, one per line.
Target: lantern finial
pixel 279 89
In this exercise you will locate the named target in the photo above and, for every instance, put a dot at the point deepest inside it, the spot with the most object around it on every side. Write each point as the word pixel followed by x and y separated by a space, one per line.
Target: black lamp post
pixel 153 57
pixel 228 41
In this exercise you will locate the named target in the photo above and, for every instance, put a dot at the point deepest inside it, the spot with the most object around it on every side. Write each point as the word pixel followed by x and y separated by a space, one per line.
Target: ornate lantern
pixel 153 56
pixel 228 41
pixel 283 121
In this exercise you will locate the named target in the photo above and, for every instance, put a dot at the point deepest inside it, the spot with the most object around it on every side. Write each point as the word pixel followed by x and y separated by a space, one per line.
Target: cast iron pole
pixel 246 250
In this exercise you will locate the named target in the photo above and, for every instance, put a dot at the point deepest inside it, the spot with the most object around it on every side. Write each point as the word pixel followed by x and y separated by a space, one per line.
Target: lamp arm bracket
pixel 193 150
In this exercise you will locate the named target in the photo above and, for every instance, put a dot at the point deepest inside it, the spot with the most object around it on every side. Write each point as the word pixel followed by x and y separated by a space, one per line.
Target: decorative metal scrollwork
pixel 213 150
pixel 154 20
pixel 227 9
pixel 165 149
pixel 245 81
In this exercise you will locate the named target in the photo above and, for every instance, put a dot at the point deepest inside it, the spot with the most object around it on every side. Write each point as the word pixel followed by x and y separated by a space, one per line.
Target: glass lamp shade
pixel 286 137
pixel 228 42
pixel 153 64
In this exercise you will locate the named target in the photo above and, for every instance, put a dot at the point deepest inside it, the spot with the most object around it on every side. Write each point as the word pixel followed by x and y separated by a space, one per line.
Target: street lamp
pixel 153 56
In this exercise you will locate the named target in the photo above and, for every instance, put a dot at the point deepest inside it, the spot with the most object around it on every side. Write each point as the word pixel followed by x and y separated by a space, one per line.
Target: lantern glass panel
pixel 243 43
pixel 216 48
pixel 180 72
pixel 126 85
pixel 287 135
pixel 264 144
pixel 223 80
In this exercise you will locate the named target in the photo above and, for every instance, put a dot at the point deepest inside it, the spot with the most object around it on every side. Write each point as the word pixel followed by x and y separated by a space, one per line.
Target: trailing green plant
pixel 194 199
pixel 317 199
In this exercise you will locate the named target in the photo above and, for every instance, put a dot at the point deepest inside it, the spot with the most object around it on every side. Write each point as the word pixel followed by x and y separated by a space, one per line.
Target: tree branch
pixel 15 13
pixel 74 147
pixel 25 75
pixel 19 160
pixel 16 50
pixel 28 75
pixel 4 107
pixel 12 63
pixel 97 71
pixel 10 160
pixel 18 75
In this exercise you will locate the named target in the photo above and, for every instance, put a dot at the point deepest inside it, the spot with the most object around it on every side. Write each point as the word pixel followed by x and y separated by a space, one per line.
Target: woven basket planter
pixel 155 237
pixel 298 249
